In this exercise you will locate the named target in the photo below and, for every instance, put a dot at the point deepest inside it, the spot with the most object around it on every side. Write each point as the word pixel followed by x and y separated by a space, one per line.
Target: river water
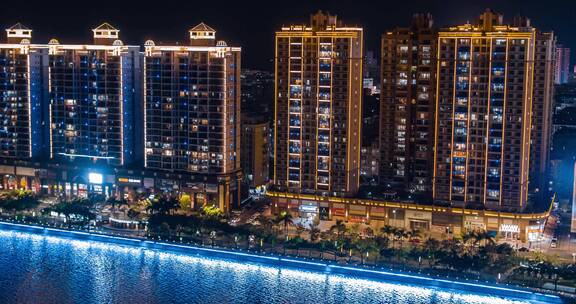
pixel 47 269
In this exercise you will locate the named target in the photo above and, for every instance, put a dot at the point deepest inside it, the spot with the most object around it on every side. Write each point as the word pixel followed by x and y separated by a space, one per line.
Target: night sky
pixel 251 24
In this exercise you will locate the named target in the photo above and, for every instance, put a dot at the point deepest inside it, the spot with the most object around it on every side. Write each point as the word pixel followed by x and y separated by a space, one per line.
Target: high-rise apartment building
pixel 22 66
pixel 562 69
pixel 407 107
pixel 318 107
pixel 94 99
pixel 542 109
pixel 192 116
pixel 484 113
pixel 255 150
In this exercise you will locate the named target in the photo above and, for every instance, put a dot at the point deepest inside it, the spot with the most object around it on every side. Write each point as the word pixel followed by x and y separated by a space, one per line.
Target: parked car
pixel 554 242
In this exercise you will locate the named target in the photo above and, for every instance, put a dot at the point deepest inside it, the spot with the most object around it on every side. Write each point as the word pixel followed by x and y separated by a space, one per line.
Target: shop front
pixel 418 220
pixel 357 214
pixel 85 183
pixel 338 212
pixel 509 231
pixel 308 210
pixel 439 222
pixel 534 232
pixel 396 217
pixel 129 186
pixel 474 223
pixel 446 223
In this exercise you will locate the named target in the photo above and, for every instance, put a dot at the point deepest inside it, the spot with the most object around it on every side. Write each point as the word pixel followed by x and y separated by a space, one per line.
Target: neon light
pixel 121 108
pixel 329 267
pixel 29 105
pixel 85 156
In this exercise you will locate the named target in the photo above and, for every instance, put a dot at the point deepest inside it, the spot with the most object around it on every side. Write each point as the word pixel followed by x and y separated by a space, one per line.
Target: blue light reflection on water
pixel 46 269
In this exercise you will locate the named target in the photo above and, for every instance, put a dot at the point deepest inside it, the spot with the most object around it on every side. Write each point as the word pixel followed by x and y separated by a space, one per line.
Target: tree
pixel 364 247
pixel 185 201
pixel 339 228
pixel 78 210
pixel 163 204
pixel 285 218
pixel 339 231
pixel 212 212
pixel 314 233
pixel 116 203
pixel 400 234
pixel 388 231
pixel 431 247
pixel 18 200
pixel 265 222
pixel 133 214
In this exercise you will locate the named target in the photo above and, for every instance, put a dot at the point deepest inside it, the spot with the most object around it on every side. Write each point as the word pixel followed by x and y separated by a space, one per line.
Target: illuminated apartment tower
pixel 93 91
pixel 192 115
pixel 407 107
pixel 542 108
pixel 21 92
pixel 483 114
pixel 318 107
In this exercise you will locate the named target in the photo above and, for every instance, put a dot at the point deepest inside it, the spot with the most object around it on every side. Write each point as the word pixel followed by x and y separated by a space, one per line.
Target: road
pixel 566 245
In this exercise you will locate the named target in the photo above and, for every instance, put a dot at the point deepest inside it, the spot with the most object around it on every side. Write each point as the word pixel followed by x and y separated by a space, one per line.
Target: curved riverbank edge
pixel 294 263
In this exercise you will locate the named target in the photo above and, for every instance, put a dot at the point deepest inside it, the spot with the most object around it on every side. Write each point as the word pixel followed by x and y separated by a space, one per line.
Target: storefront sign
pixel 308 208
pixel 24 171
pixel 129 180
pixel 6 170
pixel 509 228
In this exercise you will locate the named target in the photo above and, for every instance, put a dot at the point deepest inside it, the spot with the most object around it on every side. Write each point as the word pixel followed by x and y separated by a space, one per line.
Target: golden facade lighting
pixel 318 107
pixel 483 114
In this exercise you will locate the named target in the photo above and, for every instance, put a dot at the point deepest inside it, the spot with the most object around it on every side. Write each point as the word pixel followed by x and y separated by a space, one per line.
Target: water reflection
pixel 46 269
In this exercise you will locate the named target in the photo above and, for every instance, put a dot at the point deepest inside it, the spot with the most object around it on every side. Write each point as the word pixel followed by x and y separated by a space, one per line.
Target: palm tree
pixel 364 247
pixel 339 228
pixel 286 219
pixel 484 237
pixel 431 247
pixel 265 222
pixel 323 245
pixel 388 230
pixel 314 233
pixel 400 234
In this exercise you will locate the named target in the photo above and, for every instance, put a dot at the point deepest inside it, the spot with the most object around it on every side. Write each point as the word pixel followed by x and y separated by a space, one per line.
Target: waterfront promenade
pixel 314 265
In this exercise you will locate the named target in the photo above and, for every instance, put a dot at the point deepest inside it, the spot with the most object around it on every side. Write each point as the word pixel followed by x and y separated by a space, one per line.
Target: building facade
pixel 542 110
pixel 192 116
pixel 484 106
pixel 407 107
pixel 562 68
pixel 94 92
pixel 22 67
pixel 255 150
pixel 318 107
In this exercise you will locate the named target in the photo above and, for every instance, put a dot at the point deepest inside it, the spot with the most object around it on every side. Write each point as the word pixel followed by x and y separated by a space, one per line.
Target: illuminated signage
pixel 127 180
pixel 95 178
pixel 308 208
pixel 509 228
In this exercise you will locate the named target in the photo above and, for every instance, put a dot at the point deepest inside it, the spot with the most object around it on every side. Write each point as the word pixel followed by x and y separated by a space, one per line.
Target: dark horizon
pixel 251 24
